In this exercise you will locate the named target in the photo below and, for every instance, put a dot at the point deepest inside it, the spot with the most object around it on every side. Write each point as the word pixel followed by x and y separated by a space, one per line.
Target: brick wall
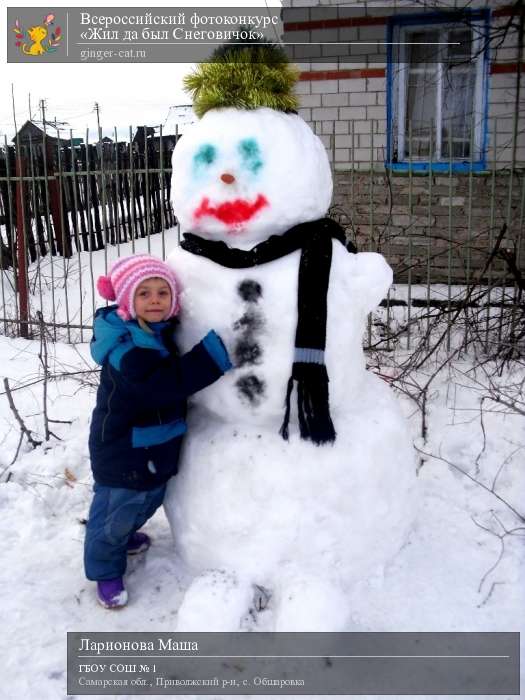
pixel 346 106
pixel 436 228
pixel 439 228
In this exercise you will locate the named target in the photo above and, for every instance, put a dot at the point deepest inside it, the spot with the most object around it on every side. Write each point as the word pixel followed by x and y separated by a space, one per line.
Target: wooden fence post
pixel 63 242
pixel 21 277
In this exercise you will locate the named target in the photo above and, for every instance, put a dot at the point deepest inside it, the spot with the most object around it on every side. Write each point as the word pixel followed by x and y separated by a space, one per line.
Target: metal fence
pixel 67 210
pixel 61 201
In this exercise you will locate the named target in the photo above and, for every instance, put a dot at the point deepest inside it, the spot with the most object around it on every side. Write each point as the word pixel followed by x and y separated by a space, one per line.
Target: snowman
pixel 296 481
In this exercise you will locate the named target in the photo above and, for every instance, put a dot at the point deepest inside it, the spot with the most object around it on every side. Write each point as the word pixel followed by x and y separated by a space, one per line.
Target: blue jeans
pixel 114 516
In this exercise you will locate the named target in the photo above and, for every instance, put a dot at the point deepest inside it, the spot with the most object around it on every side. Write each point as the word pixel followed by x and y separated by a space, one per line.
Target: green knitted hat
pixel 244 76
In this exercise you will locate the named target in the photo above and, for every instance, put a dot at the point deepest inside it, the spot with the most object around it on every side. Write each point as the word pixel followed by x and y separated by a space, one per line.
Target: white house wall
pixel 347 108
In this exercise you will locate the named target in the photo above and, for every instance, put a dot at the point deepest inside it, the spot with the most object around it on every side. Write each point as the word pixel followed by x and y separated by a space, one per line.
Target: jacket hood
pixel 109 331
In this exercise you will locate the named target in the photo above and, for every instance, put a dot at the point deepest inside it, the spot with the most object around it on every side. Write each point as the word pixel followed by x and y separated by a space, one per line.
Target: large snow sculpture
pixel 302 518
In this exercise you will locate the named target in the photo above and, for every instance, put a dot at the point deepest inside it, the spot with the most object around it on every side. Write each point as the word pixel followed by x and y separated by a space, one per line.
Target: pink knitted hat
pixel 126 274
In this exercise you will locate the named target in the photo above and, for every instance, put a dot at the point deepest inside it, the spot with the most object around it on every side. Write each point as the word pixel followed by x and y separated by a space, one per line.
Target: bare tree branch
pixel 475 481
pixel 23 428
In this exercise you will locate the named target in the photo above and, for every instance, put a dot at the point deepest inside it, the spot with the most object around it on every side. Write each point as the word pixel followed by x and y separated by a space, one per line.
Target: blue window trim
pixel 475 15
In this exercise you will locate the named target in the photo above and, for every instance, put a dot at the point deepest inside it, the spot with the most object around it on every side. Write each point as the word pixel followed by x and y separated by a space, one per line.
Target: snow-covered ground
pixel 460 570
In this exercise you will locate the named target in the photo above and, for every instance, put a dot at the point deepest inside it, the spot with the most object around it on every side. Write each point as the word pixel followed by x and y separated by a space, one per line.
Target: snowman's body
pixel 303 521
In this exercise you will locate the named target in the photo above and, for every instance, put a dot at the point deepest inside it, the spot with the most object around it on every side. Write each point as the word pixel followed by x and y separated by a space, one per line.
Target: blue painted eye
pixel 205 155
pixel 251 154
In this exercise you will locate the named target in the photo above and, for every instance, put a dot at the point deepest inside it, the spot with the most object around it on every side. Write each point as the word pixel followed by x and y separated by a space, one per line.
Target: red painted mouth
pixel 235 212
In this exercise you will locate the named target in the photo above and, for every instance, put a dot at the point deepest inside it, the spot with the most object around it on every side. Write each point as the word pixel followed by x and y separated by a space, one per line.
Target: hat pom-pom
pixel 105 288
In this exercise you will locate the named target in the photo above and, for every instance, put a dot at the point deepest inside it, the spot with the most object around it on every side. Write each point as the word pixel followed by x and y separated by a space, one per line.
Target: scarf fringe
pixel 315 422
pixel 284 427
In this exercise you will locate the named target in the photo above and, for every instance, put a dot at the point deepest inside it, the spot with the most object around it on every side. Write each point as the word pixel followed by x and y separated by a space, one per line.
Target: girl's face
pixel 152 300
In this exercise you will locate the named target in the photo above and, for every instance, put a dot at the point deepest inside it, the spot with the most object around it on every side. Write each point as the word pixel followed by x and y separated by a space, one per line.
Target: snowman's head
pixel 241 175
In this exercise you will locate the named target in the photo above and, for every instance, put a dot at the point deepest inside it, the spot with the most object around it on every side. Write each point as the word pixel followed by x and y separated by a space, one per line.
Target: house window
pixel 437 91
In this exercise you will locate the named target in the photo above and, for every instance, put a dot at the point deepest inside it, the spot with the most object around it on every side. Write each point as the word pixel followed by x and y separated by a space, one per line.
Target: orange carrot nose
pixel 227 178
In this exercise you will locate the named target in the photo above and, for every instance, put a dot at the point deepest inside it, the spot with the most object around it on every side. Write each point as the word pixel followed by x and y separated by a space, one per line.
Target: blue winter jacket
pixel 138 421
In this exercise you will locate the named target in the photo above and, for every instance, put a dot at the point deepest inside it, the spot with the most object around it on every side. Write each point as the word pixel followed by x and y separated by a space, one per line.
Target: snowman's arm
pixel 370 277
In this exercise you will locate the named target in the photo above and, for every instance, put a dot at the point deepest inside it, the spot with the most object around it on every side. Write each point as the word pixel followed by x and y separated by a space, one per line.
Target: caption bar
pixel 293 663
pixel 338 35
pixel 124 35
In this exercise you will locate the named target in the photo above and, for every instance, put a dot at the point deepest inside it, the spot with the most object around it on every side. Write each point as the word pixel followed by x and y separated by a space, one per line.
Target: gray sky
pixel 127 93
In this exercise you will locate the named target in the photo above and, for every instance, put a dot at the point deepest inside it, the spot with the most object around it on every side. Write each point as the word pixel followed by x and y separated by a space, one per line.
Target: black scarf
pixel 309 371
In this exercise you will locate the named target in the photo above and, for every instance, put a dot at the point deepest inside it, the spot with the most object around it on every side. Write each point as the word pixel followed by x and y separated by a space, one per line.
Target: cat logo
pixel 39 39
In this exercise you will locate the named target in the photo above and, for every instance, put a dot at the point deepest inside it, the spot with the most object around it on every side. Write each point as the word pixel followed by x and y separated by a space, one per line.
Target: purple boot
pixel 111 593
pixel 138 542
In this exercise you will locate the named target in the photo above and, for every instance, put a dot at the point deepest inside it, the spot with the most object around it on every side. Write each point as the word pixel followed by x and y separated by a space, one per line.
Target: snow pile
pixel 452 574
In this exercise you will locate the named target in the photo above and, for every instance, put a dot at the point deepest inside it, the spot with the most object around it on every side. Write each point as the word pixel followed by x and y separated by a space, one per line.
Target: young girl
pixel 138 421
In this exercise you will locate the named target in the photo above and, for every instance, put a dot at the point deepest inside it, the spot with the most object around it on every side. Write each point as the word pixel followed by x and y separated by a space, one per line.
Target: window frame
pixel 396 90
